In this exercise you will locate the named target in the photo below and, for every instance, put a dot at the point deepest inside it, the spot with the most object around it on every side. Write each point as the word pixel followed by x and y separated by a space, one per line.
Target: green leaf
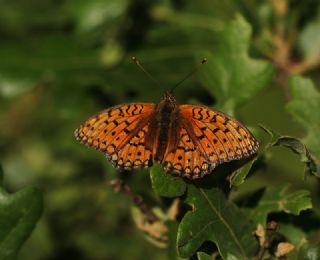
pixel 19 213
pixel 230 74
pixel 296 146
pixel 188 19
pixel 1 177
pixel 203 256
pixel 90 15
pixel 172 239
pixel 278 199
pixel 294 234
pixel 309 252
pixel 309 39
pixel 304 107
pixel 165 184
pixel 216 219
pixel 238 176
pixel 298 237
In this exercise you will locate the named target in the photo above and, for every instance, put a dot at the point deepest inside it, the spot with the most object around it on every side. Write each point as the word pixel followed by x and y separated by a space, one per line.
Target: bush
pixel 62 61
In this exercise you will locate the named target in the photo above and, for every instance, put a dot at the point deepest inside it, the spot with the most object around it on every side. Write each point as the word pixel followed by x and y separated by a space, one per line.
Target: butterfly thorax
pixel 166 116
pixel 166 106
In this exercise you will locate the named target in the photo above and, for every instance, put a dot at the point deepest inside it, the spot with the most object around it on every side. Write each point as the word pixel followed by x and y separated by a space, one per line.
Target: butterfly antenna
pixel 194 70
pixel 137 62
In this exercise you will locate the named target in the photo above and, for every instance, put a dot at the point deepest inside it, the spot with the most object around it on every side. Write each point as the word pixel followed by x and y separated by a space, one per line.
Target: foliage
pixel 297 147
pixel 231 75
pixel 214 218
pixel 277 199
pixel 165 184
pixel 305 101
pixel 73 58
pixel 19 213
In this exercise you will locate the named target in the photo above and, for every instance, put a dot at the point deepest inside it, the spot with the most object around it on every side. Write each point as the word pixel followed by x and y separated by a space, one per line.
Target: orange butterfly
pixel 188 140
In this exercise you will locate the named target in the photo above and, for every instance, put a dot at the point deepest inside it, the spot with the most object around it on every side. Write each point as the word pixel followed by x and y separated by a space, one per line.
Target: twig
pixel 282 42
pixel 270 235
pixel 303 66
pixel 119 186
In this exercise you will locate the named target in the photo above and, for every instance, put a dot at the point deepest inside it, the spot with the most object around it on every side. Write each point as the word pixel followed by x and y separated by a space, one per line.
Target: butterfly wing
pixel 185 158
pixel 121 133
pixel 206 139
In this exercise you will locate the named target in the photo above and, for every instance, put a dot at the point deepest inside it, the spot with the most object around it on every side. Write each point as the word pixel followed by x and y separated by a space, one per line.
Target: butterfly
pixel 188 140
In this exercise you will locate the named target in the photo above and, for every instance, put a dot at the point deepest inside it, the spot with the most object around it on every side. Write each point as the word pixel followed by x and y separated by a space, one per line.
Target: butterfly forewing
pixel 120 132
pixel 220 137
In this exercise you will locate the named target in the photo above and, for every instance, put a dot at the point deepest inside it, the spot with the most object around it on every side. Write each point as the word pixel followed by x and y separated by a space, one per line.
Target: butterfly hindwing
pixel 186 158
pixel 134 153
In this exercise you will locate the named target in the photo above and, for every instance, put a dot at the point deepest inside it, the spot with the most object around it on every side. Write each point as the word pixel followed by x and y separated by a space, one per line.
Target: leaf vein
pixel 224 222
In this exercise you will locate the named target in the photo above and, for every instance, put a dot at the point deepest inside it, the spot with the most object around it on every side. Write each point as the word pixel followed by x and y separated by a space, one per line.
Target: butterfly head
pixel 169 98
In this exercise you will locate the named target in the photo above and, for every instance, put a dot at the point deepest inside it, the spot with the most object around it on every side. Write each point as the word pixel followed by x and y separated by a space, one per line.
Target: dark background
pixel 62 61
